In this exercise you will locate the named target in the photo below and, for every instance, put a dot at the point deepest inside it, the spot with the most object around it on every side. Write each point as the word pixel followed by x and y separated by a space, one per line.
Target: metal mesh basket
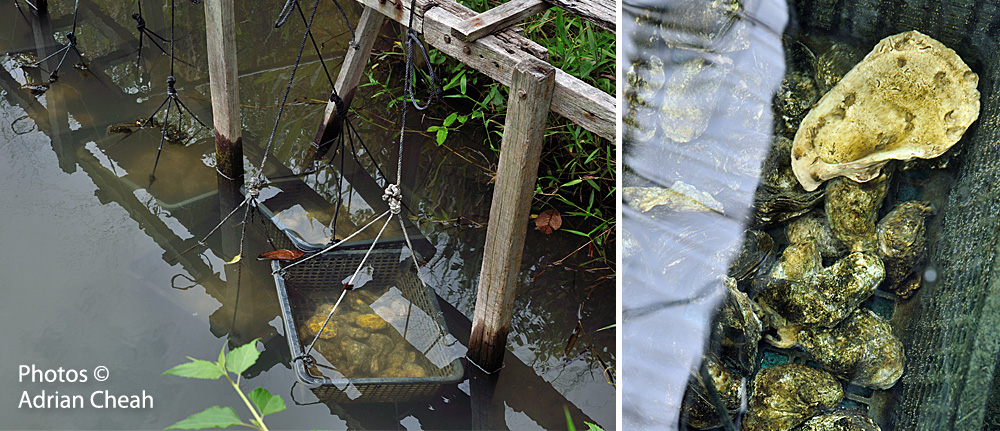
pixel 392 280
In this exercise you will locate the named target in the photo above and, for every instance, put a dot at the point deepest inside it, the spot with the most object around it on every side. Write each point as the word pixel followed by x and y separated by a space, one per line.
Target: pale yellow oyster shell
pixel 911 97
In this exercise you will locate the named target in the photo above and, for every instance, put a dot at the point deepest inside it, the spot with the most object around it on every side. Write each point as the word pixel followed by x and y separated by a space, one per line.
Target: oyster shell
pixel 644 78
pixel 798 93
pixel 756 251
pixel 697 408
pixel 842 420
pixel 690 95
pixel 785 396
pixel 736 331
pixel 911 97
pixel 780 197
pixel 861 350
pixel 852 209
pixel 827 296
pixel 679 197
pixel 798 261
pixel 902 244
pixel 833 64
pixel 814 226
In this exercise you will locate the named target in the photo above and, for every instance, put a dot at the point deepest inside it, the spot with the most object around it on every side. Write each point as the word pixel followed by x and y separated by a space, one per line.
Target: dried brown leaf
pixel 548 221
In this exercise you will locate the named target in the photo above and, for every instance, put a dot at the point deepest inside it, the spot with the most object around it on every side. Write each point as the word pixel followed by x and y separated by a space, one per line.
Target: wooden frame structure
pixel 486 43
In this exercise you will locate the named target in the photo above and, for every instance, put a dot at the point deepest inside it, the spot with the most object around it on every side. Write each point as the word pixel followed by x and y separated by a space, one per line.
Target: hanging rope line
pixel 172 96
pixel 70 44
pixel 392 196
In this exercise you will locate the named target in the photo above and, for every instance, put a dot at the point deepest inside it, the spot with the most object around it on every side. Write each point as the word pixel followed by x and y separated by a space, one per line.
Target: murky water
pixel 90 271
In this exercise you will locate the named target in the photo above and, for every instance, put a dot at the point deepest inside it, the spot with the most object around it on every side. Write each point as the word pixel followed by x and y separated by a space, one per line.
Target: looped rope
pixel 413 37
pixel 171 91
pixel 307 360
pixel 394 198
pixel 71 38
pixel 140 22
pixel 286 11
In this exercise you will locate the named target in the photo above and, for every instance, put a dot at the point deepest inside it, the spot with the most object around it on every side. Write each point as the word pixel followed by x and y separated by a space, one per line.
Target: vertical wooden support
pixel 220 29
pixel 530 95
pixel 350 74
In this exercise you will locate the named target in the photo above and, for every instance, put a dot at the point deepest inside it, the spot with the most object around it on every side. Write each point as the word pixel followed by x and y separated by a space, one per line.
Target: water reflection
pixel 701 78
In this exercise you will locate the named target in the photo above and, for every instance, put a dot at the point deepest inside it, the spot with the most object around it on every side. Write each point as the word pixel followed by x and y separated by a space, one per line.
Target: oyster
pixel 861 350
pixel 798 261
pixel 314 324
pixel 797 94
pixel 779 197
pixel 736 331
pixel 833 64
pixel 814 226
pixel 697 409
pixel 841 420
pixel 679 197
pixel 756 251
pixel 852 208
pixel 827 296
pixel 690 95
pixel 902 244
pixel 911 97
pixel 785 396
pixel 371 322
pixel 645 77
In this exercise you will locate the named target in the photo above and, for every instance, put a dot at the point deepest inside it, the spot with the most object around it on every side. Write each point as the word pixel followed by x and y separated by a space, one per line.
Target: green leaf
pixel 266 402
pixel 576 232
pixel 450 119
pixel 461 84
pixel 241 358
pixel 593 427
pixel 572 183
pixel 197 369
pixel 442 134
pixel 212 417
pixel 613 325
pixel 222 358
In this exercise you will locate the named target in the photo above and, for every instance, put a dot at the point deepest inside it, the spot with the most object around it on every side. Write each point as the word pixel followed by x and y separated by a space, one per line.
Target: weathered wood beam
pixel 531 92
pixel 496 54
pixel 600 12
pixel 574 99
pixel 500 17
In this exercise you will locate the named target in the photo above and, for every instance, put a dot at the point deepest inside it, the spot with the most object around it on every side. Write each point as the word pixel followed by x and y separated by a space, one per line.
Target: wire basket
pixel 391 290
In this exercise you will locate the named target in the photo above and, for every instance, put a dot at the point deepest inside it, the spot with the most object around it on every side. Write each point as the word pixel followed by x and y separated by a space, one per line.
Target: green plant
pixel 571 427
pixel 260 402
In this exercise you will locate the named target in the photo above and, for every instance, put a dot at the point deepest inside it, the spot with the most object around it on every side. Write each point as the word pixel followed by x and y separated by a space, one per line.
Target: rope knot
pixel 394 197
pixel 71 38
pixel 140 22
pixel 171 91
pixel 256 184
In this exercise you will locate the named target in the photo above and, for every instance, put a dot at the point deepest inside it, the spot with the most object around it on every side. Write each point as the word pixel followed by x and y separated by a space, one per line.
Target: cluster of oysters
pixel 359 343
pixel 824 186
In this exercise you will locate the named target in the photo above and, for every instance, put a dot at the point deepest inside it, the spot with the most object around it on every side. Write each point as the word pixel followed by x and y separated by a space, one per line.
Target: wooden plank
pixel 574 99
pixel 600 12
pixel 500 17
pixel 350 75
pixel 531 92
pixel 356 59
pixel 220 30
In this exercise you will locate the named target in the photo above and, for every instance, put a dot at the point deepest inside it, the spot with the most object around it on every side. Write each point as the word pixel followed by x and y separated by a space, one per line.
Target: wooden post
pixel 220 29
pixel 350 75
pixel 531 91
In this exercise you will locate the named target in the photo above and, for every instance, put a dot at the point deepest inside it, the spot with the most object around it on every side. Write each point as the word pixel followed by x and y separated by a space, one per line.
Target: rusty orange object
pixel 282 254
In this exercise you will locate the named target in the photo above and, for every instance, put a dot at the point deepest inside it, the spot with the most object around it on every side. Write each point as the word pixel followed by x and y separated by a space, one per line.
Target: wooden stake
pixel 220 29
pixel 531 91
pixel 350 75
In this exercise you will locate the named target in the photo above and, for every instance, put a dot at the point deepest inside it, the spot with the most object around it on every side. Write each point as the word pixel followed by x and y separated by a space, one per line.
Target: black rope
pixel 172 96
pixel 316 47
pixel 70 44
pixel 288 88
